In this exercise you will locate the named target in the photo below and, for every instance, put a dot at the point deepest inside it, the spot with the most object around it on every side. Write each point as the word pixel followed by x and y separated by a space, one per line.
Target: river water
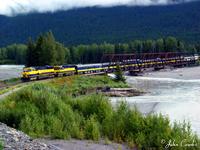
pixel 179 99
pixel 10 71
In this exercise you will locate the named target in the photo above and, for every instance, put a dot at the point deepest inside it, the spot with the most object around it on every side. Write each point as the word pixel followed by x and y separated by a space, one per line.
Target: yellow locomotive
pixel 36 73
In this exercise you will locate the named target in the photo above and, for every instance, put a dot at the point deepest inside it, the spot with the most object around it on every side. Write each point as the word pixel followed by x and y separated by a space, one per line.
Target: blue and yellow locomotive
pixel 36 73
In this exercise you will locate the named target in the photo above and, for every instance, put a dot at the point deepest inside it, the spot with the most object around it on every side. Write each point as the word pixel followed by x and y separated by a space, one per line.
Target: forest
pixel 46 50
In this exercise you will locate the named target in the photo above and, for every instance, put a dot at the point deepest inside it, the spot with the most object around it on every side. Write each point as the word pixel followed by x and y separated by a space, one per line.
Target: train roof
pixel 68 66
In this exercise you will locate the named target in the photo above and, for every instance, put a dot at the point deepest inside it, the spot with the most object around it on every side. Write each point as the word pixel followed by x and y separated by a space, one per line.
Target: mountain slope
pixel 116 24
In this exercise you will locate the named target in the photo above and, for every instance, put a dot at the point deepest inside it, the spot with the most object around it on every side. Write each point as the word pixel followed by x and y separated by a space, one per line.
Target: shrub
pixel 92 129
pixel 1 145
pixel 55 128
pixel 119 122
pixel 33 124
pixel 97 105
pixel 119 74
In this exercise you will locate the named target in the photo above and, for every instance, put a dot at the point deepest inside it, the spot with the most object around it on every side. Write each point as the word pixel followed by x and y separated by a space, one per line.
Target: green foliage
pixel 45 51
pixel 96 105
pixel 13 54
pixel 1 145
pixel 81 85
pixel 31 55
pixel 171 44
pixel 11 81
pixel 119 74
pixel 46 109
pixel 92 129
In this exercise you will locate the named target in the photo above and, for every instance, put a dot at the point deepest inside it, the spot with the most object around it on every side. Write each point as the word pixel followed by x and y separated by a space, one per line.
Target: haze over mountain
pixel 110 24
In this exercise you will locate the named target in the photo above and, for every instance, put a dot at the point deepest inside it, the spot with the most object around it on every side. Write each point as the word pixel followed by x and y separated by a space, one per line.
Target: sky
pixel 14 7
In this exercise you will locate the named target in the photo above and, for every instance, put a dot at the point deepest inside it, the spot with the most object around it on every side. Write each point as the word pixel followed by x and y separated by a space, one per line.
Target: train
pixel 41 72
pixel 36 73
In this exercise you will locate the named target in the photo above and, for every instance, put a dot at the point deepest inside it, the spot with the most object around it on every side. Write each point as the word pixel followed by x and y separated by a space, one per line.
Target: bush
pixel 119 74
pixel 97 105
pixel 92 129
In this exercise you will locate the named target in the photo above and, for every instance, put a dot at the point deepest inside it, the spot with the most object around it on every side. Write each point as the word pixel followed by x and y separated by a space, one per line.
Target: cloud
pixel 13 7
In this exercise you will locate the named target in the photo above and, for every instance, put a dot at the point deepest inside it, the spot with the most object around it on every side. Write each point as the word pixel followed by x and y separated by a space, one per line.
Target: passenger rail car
pixel 64 70
pixel 90 69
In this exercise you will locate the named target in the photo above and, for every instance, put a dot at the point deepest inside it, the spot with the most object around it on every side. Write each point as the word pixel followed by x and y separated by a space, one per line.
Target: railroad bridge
pixel 135 63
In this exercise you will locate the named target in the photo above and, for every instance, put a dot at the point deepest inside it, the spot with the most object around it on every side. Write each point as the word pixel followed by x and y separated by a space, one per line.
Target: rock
pixel 17 140
pixel 122 92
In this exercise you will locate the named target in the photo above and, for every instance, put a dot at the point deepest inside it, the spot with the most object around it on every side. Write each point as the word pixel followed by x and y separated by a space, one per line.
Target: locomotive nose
pixel 24 74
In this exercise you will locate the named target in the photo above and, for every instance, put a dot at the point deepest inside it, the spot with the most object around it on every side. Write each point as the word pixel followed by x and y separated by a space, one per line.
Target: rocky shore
pixel 17 140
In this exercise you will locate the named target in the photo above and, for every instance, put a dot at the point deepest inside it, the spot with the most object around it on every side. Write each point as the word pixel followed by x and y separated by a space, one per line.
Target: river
pixel 175 94
pixel 10 71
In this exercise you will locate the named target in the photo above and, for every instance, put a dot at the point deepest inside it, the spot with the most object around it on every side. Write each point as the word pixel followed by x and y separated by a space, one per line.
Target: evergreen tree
pixel 46 51
pixel 30 56
pixel 46 47
pixel 159 45
pixel 197 46
pixel 60 51
pixel 50 49
pixel 119 74
pixel 38 51
pixel 136 46
pixel 180 46
pixel 148 46
pixel 67 56
pixel 171 44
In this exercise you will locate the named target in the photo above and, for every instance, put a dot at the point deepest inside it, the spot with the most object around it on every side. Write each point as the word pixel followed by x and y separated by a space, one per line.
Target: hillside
pixel 116 24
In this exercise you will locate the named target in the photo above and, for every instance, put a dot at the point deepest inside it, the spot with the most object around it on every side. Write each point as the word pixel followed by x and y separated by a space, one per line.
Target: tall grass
pixel 81 85
pixel 12 81
pixel 44 109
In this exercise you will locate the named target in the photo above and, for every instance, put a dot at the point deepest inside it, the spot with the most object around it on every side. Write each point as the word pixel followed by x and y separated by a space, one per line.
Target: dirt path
pixel 2 96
